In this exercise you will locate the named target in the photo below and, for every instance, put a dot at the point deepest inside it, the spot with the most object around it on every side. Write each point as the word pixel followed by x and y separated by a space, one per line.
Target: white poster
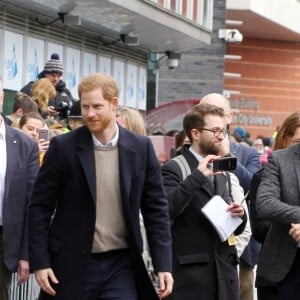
pixel 34 58
pixel 131 85
pixel 142 89
pixel 55 48
pixel 105 65
pixel 13 61
pixel 72 70
pixel 118 74
pixel 89 63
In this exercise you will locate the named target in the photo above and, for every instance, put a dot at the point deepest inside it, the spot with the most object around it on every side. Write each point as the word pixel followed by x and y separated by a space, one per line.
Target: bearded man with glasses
pixel 204 266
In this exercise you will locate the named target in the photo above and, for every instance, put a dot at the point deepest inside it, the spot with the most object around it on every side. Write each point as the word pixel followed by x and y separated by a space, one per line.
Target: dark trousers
pixel 267 293
pixel 266 290
pixel 289 288
pixel 5 275
pixel 110 276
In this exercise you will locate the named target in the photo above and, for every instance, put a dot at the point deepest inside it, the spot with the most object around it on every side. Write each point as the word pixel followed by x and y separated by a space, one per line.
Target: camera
pixel 173 63
pixel 231 35
pixel 226 163
pixel 63 108
pixel 173 59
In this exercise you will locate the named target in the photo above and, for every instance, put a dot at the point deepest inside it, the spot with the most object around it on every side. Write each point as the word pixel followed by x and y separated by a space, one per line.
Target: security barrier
pixel 27 291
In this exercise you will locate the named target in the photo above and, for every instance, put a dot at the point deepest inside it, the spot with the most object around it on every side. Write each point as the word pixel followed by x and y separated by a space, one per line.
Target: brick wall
pixel 269 83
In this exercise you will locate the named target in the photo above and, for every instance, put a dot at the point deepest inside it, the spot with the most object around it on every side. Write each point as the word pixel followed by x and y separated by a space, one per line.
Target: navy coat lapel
pixel 13 149
pixel 126 162
pixel 87 159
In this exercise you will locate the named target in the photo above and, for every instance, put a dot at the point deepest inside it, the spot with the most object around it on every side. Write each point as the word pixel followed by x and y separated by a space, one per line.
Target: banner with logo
pixel 118 74
pixel 142 89
pixel 131 85
pixel 89 63
pixel 104 64
pixel 34 58
pixel 13 61
pixel 72 70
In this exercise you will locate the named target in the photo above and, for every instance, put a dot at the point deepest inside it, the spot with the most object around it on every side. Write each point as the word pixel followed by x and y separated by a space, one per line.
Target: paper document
pixel 220 218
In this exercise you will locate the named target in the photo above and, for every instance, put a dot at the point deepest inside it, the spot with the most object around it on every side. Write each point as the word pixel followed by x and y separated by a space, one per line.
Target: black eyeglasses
pixel 216 132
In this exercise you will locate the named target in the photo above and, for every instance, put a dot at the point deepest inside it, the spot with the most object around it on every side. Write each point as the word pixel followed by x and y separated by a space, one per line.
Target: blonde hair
pixel 134 120
pixel 94 81
pixel 42 91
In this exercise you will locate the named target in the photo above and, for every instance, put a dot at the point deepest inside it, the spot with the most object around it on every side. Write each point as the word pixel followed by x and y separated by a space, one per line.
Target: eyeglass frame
pixel 216 132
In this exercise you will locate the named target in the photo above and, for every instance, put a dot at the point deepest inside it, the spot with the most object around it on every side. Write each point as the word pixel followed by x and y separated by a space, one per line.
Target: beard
pixel 209 147
pixel 97 124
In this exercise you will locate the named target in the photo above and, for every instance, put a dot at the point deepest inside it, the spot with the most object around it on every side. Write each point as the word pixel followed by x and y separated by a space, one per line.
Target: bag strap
pixel 183 165
pixel 229 187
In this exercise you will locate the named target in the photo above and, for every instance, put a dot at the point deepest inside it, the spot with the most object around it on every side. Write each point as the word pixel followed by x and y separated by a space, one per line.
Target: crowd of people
pixel 89 206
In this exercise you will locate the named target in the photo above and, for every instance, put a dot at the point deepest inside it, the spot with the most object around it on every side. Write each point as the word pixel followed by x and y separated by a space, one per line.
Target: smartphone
pixel 225 164
pixel 44 134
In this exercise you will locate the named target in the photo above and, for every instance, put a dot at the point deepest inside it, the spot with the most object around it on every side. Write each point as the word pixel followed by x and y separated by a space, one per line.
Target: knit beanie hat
pixel 54 65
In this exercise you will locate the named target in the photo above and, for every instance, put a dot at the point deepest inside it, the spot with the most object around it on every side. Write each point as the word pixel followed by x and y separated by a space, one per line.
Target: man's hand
pixel 236 210
pixel 23 271
pixel 165 281
pixel 203 165
pixel 42 277
pixel 52 112
pixel 295 232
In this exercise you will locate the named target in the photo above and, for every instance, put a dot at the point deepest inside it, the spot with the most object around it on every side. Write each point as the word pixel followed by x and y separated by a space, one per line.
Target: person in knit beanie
pixel 60 105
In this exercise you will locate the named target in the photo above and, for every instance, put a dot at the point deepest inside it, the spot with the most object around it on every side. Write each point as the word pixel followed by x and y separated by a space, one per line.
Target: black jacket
pixel 204 267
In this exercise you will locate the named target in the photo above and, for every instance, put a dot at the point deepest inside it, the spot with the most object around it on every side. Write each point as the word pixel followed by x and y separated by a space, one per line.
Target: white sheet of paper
pixel 220 218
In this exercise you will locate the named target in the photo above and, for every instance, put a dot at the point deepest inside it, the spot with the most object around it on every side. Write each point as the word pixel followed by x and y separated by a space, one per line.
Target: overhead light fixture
pixel 129 40
pixel 65 18
pixel 69 19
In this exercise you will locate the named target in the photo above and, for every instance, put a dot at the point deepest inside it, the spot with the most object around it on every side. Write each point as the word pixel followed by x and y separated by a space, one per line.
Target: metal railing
pixel 27 291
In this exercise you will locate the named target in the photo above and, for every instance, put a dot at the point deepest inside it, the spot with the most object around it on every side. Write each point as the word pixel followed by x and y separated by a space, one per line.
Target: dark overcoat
pixel 66 185
pixel 22 166
pixel 278 202
pixel 203 266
